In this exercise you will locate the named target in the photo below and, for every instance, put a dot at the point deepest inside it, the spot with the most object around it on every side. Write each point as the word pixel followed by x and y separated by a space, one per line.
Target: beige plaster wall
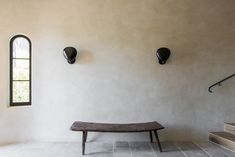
pixel 116 77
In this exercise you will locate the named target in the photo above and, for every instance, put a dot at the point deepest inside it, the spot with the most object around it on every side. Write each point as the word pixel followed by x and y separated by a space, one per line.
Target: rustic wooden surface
pixel 106 127
pixel 229 127
pixel 223 138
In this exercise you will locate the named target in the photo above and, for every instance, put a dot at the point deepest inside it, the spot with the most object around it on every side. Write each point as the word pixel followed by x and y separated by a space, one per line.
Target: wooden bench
pixel 118 128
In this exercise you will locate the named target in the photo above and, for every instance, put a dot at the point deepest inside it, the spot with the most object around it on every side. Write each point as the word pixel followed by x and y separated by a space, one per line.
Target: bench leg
pixel 158 142
pixel 151 136
pixel 84 137
pixel 86 133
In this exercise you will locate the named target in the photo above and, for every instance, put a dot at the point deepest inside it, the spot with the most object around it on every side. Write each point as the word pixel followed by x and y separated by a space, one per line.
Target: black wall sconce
pixel 163 54
pixel 70 54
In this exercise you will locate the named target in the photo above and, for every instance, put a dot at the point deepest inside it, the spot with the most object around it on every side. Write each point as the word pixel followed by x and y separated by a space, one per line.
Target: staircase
pixel 225 138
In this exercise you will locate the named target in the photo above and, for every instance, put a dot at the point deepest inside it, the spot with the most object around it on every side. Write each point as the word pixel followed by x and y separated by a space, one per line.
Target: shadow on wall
pixel 178 133
pixel 84 57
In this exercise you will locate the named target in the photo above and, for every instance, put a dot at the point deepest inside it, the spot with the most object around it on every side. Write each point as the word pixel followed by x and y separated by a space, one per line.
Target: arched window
pixel 20 71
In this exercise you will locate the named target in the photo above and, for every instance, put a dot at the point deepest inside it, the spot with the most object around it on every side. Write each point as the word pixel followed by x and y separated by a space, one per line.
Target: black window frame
pixel 11 71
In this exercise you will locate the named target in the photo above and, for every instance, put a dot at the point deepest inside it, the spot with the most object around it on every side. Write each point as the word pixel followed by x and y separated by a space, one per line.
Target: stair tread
pixel 225 135
pixel 233 124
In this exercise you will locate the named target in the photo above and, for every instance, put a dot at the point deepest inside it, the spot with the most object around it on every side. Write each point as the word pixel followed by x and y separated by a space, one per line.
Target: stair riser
pixel 222 141
pixel 229 128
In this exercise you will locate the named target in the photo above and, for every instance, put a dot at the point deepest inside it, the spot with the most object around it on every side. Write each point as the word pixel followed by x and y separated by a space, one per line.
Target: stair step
pixel 223 138
pixel 229 127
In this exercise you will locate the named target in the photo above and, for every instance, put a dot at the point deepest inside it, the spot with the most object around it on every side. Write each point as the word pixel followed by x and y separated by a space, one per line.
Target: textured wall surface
pixel 116 77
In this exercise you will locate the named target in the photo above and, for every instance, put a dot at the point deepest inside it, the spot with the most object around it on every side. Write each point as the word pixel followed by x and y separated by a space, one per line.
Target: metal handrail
pixel 219 83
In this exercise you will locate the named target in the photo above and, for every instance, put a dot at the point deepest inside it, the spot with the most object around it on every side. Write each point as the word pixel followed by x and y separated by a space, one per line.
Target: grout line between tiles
pixel 202 149
pixel 113 148
pixel 153 150
pixel 180 150
pixel 130 149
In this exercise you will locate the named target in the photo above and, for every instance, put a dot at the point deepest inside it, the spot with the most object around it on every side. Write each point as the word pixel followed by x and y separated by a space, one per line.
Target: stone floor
pixel 117 149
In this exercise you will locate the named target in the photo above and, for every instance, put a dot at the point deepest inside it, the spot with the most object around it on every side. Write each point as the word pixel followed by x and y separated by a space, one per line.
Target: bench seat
pixel 85 127
pixel 109 127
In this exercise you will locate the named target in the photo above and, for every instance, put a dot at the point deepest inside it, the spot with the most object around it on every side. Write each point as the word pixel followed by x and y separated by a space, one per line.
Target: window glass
pixel 20 48
pixel 20 91
pixel 20 71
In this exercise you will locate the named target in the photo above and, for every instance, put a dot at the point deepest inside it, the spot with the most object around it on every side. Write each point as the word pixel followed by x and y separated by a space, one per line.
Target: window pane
pixel 20 69
pixel 21 91
pixel 20 48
